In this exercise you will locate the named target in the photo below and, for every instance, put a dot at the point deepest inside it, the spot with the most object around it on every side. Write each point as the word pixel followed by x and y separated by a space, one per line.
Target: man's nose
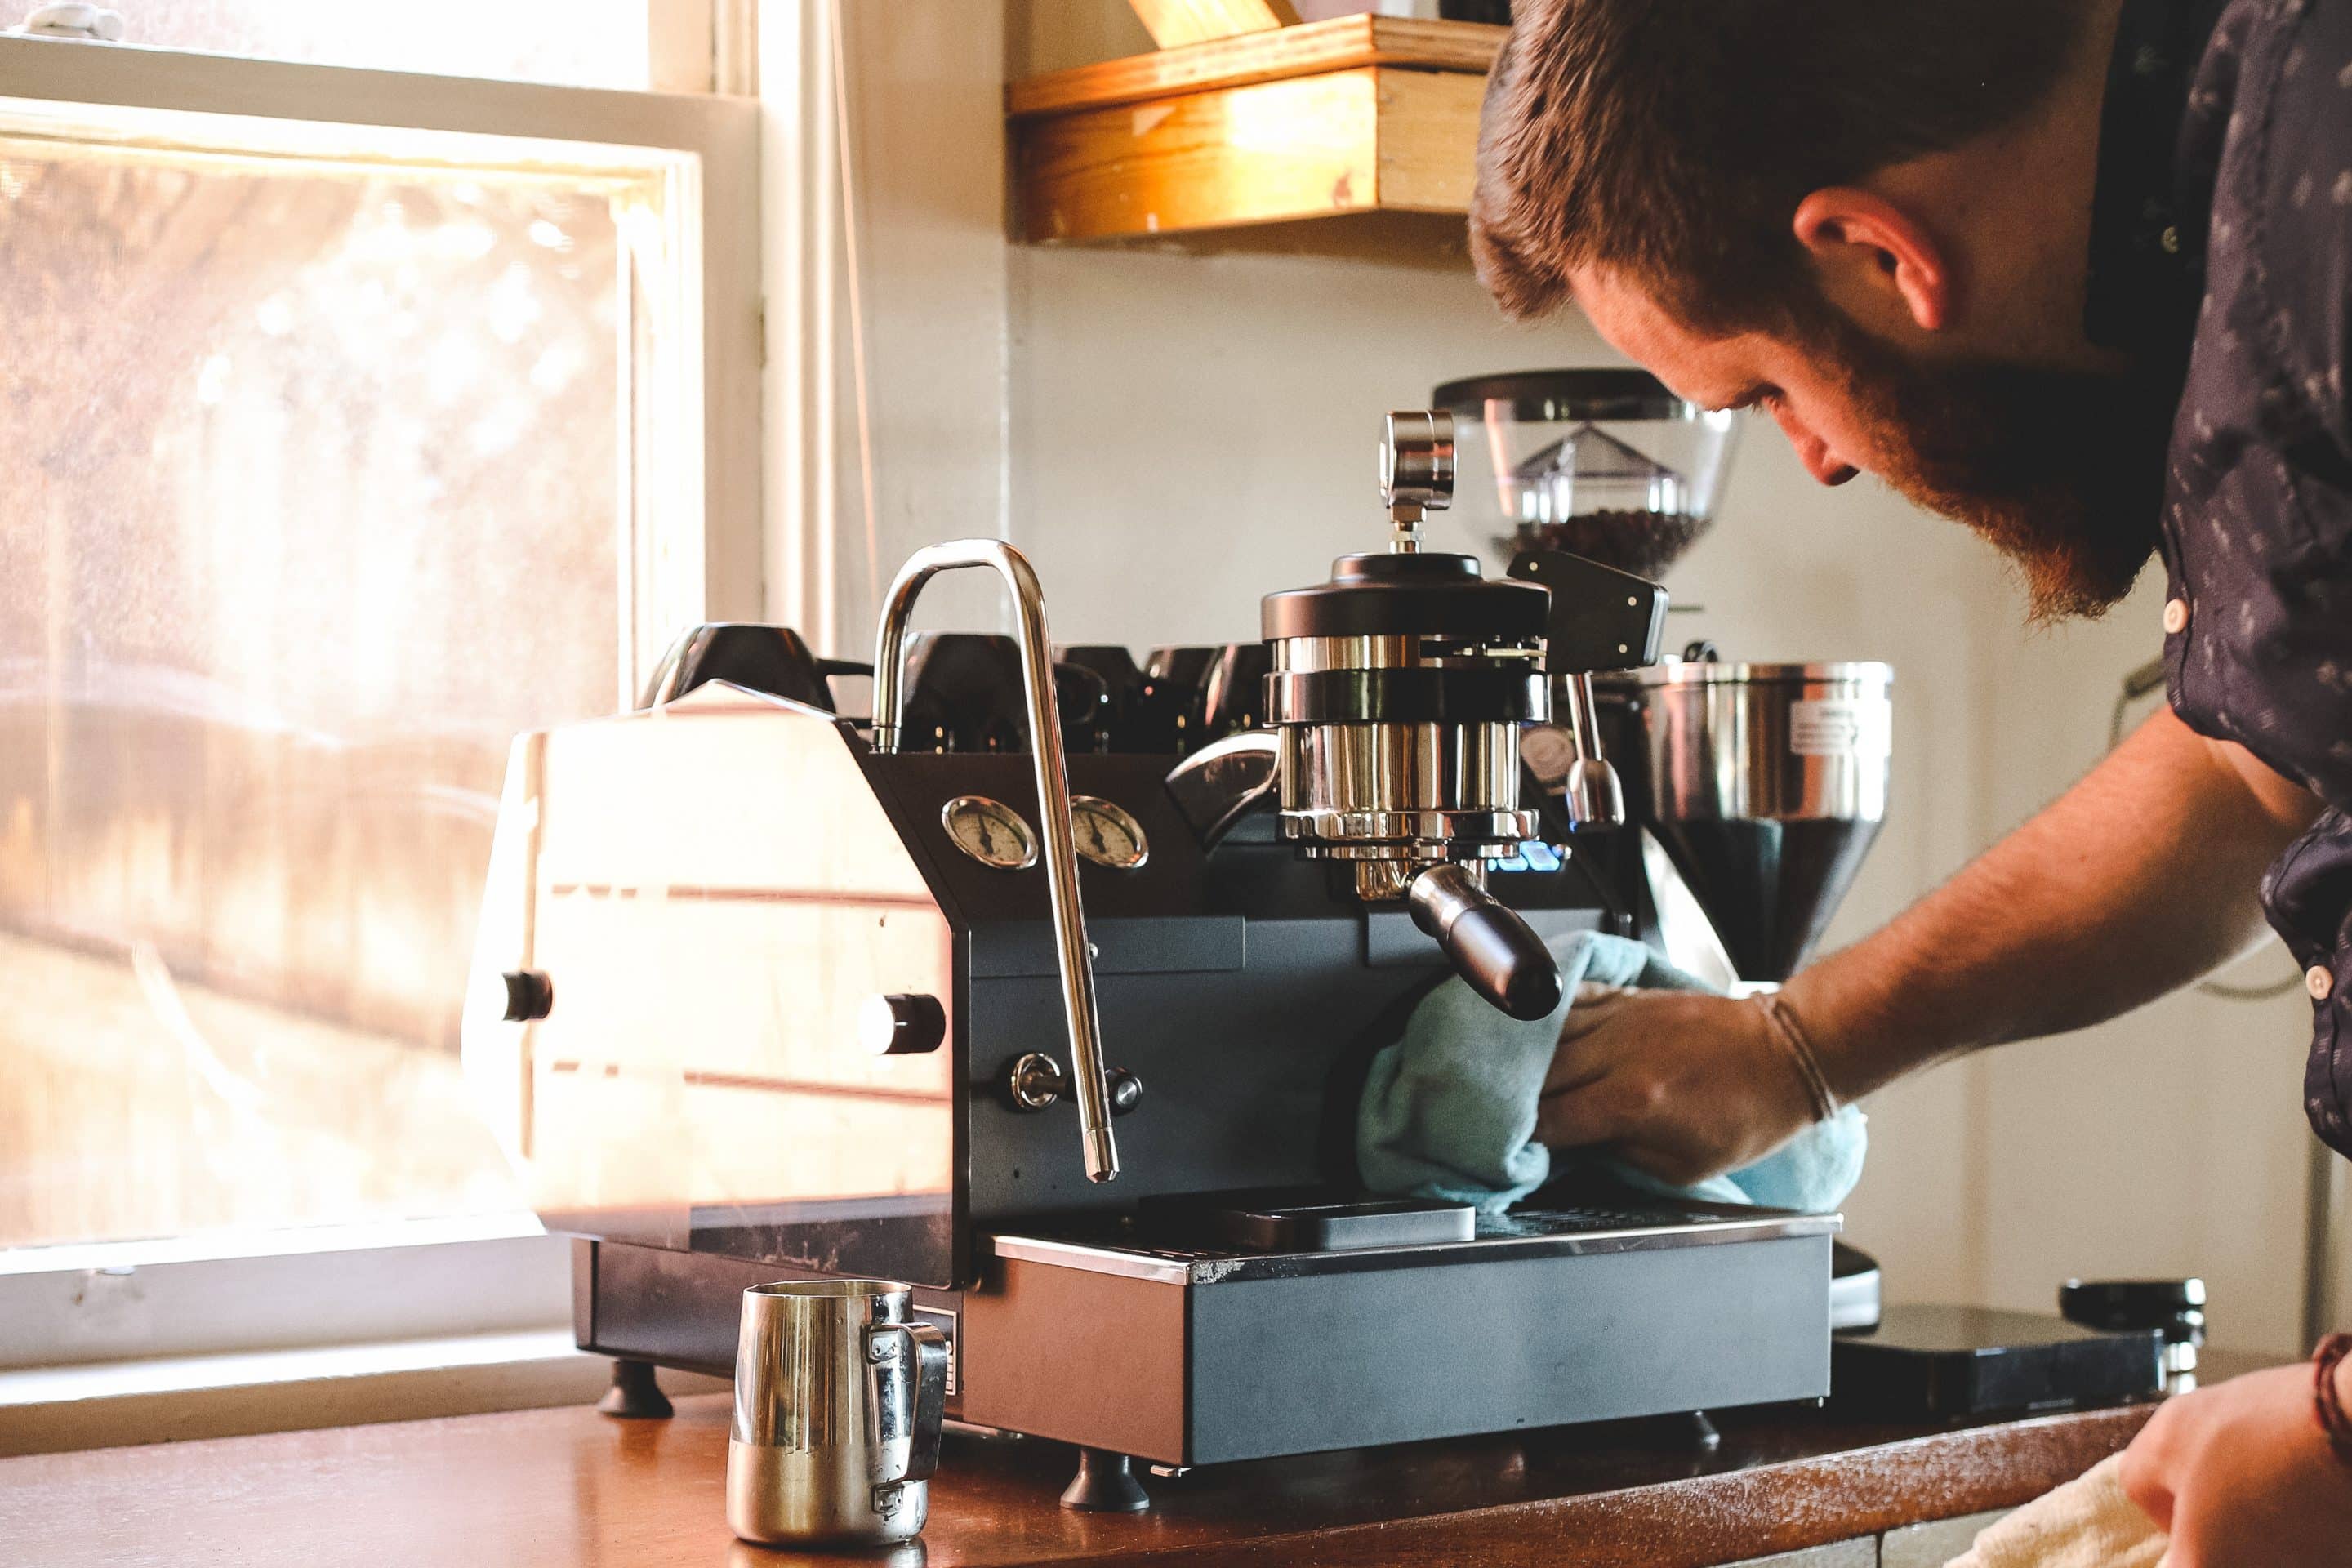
pixel 1813 452
pixel 1824 468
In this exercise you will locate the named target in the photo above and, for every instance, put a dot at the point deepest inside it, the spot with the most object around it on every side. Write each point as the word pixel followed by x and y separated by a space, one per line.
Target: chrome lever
pixel 1077 969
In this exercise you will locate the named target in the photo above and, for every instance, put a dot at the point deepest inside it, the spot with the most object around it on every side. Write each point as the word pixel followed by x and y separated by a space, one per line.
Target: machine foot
pixel 1704 1437
pixel 635 1396
pixel 1105 1483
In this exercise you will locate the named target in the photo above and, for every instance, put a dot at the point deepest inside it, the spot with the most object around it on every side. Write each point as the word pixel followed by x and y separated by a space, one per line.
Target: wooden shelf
pixel 1363 115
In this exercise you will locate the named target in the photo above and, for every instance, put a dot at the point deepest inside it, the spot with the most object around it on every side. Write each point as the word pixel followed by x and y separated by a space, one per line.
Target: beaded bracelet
pixel 2326 1400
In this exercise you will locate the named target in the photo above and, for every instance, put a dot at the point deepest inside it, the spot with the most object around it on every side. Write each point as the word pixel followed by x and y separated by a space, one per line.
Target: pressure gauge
pixel 1106 834
pixel 991 832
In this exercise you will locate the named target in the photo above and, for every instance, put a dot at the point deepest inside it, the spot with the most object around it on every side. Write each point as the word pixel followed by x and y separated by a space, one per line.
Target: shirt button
pixel 2318 982
pixel 2176 616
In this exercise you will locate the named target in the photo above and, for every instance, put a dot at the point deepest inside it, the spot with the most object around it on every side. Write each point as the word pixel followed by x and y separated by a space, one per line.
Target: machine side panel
pixel 710 893
pixel 1250 1076
pixel 675 1308
pixel 1247 990
pixel 1342 1361
pixel 1085 1357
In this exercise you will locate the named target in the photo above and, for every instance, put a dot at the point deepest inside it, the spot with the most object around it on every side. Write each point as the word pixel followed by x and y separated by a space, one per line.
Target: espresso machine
pixel 1062 1016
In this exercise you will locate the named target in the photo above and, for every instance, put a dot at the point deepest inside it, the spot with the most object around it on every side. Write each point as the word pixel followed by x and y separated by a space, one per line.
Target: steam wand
pixel 1078 969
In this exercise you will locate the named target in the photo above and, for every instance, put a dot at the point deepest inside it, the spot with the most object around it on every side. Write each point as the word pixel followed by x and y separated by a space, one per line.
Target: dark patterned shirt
pixel 2246 263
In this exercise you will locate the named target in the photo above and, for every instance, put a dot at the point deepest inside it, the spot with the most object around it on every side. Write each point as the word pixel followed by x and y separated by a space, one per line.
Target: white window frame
pixel 115 1302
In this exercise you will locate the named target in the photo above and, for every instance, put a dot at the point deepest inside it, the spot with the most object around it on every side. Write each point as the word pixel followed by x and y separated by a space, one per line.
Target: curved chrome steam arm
pixel 1078 968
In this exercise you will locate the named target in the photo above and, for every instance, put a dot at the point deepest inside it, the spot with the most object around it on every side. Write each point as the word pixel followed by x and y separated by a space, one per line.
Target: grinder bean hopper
pixel 1605 464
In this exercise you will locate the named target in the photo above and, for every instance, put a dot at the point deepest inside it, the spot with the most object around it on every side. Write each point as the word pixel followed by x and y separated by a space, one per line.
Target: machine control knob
pixel 1126 1091
pixel 901 1025
pixel 530 996
pixel 1034 1080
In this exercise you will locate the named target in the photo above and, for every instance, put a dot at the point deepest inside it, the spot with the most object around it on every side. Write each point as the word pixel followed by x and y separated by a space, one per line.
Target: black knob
pixel 1491 946
pixel 1126 1091
pixel 901 1025
pixel 529 995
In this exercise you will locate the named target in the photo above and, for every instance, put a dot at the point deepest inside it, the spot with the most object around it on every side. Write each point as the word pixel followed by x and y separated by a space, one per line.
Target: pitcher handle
pixel 926 1349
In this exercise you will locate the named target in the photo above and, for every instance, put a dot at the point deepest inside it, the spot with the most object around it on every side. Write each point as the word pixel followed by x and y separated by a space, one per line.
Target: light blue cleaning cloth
pixel 1449 1110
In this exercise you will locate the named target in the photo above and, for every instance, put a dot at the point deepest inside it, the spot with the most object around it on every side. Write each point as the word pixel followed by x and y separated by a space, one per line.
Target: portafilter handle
pixel 1491 946
pixel 1046 749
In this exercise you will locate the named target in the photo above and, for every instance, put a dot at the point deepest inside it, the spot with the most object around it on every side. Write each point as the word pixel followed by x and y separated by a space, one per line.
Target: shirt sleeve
pixel 2302 256
pixel 2268 660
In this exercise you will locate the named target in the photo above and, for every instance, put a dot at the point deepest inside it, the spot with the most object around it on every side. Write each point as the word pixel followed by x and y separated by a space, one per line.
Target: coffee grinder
pixel 1752 790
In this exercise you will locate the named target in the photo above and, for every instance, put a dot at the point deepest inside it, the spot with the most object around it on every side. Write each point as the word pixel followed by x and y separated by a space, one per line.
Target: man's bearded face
pixel 2061 470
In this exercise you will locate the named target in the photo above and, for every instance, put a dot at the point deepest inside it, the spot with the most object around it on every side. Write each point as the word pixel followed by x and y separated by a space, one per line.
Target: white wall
pixel 1178 431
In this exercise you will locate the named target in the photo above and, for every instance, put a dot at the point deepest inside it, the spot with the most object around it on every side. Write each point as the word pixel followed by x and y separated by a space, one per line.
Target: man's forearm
pixel 2139 878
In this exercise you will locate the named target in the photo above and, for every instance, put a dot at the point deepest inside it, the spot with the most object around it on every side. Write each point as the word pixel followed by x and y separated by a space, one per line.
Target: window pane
pixel 318 488
pixel 571 43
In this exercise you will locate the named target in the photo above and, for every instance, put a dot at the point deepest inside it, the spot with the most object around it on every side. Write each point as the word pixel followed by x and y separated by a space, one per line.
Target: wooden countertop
pixel 572 1487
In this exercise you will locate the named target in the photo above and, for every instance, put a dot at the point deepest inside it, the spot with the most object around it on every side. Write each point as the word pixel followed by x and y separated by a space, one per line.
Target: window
pixel 353 422
pixel 567 42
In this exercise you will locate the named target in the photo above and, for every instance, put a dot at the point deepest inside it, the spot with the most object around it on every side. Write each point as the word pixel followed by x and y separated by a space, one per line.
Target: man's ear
pixel 1865 243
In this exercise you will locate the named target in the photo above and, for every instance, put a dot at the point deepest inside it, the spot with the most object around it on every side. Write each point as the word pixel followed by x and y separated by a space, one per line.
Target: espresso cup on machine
pixel 839 1394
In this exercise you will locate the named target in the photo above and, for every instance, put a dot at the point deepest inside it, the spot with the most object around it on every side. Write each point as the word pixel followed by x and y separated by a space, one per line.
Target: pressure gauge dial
pixel 1106 834
pixel 991 832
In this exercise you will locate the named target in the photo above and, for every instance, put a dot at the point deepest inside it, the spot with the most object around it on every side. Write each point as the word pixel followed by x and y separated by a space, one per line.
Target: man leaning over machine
pixel 2077 273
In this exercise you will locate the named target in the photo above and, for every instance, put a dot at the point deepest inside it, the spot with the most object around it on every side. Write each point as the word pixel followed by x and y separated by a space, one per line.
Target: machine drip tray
pixel 1292 1233
pixel 1580 1309
pixel 1297 1221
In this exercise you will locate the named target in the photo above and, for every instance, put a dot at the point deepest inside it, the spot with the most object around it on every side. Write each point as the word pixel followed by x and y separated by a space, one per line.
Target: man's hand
pixel 2240 1473
pixel 1680 1084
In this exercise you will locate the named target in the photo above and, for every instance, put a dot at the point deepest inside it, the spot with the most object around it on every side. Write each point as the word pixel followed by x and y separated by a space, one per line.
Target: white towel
pixel 2089 1522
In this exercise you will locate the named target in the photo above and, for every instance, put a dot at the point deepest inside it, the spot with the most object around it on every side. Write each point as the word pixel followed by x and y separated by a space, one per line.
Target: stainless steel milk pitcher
pixel 839 1392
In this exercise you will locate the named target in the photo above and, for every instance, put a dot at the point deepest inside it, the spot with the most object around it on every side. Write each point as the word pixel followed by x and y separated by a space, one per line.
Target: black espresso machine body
pixel 756 997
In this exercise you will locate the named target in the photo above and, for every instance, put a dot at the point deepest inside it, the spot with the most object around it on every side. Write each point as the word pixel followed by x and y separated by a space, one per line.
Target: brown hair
pixel 1672 140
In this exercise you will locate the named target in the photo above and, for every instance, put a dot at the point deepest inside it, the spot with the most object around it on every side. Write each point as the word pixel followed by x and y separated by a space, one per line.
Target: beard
pixel 2063 471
